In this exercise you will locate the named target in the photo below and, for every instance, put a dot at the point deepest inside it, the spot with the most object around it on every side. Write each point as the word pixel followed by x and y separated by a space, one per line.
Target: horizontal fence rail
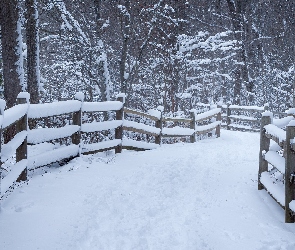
pixel 276 161
pixel 242 118
pixel 37 135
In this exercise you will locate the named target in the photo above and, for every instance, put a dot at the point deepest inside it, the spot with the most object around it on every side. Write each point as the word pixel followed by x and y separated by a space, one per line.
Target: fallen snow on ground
pixel 184 196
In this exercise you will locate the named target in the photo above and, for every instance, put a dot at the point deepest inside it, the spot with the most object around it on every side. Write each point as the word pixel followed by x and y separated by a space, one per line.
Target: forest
pixel 170 53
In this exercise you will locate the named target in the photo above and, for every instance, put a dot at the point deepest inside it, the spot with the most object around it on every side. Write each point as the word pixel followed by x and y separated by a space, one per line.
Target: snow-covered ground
pixel 183 196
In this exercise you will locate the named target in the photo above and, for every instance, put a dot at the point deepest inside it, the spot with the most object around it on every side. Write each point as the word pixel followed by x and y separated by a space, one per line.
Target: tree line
pixel 170 53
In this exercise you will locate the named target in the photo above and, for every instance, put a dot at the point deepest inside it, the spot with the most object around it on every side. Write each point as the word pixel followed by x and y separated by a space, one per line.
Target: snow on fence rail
pixel 14 119
pixel 276 162
pixel 24 118
pixel 242 118
pixel 160 131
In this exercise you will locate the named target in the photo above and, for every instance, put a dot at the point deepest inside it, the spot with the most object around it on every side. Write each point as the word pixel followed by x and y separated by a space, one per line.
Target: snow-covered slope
pixel 184 196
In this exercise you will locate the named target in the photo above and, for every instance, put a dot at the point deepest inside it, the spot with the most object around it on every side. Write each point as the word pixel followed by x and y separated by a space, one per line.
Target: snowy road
pixel 184 196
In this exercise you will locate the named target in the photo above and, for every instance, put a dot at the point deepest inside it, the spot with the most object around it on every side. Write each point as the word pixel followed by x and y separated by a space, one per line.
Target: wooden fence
pixel 277 161
pixel 240 118
pixel 30 123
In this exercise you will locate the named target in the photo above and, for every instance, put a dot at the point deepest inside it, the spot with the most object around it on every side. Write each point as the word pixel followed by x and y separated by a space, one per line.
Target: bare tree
pixel 11 40
pixel 32 41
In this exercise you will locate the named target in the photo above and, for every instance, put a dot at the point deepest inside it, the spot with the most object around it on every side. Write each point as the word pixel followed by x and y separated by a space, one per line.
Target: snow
pixel 55 108
pixel 24 95
pixel 246 107
pixel 101 106
pixel 291 123
pixel 239 126
pixel 242 117
pixel 160 108
pixel 283 122
pixel 9 148
pixel 177 131
pixel 155 113
pixel 212 126
pixel 53 156
pixel 277 189
pixel 292 205
pixel 122 95
pixel 206 114
pixel 46 134
pixel 138 144
pixel 100 145
pixel 274 147
pixel 140 126
pixel 290 111
pixel 13 175
pixel 267 113
pixel 276 160
pixel 182 196
pixel 14 114
pixel 100 126
pixel 79 96
pixel 2 106
pixel 276 132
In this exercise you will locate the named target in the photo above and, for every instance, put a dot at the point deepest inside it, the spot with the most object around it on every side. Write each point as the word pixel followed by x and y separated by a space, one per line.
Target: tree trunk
pixel 11 50
pixel 33 79
pixel 236 12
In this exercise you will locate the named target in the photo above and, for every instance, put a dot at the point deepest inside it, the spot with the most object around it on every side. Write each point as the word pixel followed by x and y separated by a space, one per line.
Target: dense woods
pixel 172 53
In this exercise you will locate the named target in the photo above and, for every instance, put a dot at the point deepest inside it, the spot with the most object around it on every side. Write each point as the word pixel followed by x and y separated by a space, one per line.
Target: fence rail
pixel 276 161
pixel 27 121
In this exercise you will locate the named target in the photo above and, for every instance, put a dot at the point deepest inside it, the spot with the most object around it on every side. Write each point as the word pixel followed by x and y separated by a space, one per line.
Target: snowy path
pixel 184 196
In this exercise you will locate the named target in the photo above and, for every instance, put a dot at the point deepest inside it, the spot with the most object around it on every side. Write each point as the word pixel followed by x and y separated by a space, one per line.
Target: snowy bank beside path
pixel 184 196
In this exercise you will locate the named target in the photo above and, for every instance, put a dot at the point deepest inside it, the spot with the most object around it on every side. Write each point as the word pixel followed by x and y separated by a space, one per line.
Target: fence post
pixel 218 118
pixel 77 120
pixel 159 124
pixel 22 150
pixel 266 107
pixel 228 113
pixel 264 146
pixel 289 172
pixel 193 126
pixel 119 130
pixel 2 107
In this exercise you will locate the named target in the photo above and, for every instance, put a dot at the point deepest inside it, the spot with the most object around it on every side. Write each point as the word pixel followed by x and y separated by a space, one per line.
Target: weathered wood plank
pixel 206 118
pixel 77 120
pixel 175 135
pixel 98 150
pixel 140 113
pixel 289 174
pixel 275 139
pixel 193 126
pixel 142 131
pixel 159 124
pixel 119 130
pixel 264 147
pixel 172 119
pixel 205 131
pixel 22 150
pixel 244 119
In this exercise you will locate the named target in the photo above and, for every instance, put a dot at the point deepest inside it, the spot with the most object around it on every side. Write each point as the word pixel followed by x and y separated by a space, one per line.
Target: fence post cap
pixel 79 96
pixel 291 123
pixel 267 113
pixel 121 95
pixel 24 95
pixel 160 108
